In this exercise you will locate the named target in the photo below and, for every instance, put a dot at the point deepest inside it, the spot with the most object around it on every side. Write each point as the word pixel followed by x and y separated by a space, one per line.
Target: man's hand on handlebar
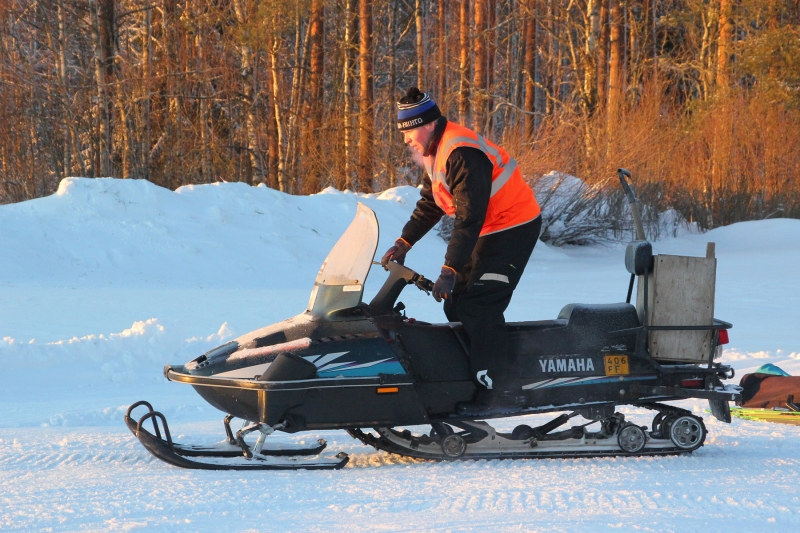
pixel 397 252
pixel 443 288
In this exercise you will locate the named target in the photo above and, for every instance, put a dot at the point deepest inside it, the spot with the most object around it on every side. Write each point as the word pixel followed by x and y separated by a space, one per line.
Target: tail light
pixel 692 383
pixel 723 337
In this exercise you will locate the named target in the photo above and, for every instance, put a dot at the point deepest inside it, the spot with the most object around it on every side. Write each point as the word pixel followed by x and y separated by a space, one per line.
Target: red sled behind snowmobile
pixel 346 364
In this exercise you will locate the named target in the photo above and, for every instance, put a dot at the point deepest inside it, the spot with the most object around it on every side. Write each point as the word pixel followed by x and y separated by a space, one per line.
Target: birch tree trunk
pixel 420 46
pixel 316 77
pixel 464 45
pixel 277 116
pixel 590 59
pixel 349 37
pixel 616 65
pixel 204 115
pixel 62 73
pixel 249 80
pixel 366 121
pixel 491 42
pixel 602 57
pixel 392 89
pixel 441 82
pixel 479 68
pixel 147 74
pixel 724 43
pixel 530 69
pixel 102 163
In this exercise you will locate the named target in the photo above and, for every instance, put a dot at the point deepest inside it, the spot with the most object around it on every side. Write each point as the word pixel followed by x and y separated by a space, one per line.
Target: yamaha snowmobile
pixel 347 364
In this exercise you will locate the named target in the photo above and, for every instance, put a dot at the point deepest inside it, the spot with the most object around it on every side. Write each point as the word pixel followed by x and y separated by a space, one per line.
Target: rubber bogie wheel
pixel 521 432
pixel 440 429
pixel 687 432
pixel 631 438
pixel 666 424
pixel 454 446
pixel 656 426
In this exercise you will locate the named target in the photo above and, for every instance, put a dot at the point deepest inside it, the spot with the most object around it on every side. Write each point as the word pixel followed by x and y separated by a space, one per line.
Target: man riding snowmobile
pixel 496 225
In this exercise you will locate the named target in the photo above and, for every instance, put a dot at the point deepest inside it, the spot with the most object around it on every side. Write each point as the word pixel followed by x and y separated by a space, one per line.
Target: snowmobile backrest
pixel 639 257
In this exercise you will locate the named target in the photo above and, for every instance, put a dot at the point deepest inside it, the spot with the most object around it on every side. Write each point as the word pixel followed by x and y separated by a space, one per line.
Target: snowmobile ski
pixel 225 455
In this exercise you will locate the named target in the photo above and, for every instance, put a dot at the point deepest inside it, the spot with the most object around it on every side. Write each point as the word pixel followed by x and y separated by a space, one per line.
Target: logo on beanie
pixel 409 123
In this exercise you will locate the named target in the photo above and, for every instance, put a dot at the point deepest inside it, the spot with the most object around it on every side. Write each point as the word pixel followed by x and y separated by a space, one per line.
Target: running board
pixel 224 456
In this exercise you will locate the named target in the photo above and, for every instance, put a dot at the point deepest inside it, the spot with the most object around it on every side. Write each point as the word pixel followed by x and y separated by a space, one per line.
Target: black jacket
pixel 469 177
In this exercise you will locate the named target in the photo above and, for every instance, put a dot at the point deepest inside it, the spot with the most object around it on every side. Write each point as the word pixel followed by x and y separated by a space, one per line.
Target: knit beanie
pixel 416 109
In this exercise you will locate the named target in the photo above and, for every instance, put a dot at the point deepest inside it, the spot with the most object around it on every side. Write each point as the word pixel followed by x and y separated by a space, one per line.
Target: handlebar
pixel 410 277
pixel 423 283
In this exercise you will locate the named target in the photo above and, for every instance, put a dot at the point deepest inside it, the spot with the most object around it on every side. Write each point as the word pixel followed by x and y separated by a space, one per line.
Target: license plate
pixel 617 365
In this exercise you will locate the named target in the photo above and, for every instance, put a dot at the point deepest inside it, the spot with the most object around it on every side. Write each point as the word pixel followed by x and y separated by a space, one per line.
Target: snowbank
pixel 114 278
pixel 95 232
pixel 108 280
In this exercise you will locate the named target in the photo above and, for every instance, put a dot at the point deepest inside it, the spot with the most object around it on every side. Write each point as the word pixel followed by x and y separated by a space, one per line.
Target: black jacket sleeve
pixel 425 216
pixel 469 176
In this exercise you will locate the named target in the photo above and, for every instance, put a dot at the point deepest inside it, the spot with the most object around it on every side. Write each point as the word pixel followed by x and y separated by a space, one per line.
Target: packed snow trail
pixel 74 479
pixel 108 280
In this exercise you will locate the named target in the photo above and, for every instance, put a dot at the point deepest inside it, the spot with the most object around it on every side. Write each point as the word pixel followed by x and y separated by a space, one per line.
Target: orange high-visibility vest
pixel 512 202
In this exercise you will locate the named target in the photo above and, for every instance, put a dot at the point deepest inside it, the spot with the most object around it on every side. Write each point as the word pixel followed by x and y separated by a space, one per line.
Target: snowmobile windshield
pixel 340 281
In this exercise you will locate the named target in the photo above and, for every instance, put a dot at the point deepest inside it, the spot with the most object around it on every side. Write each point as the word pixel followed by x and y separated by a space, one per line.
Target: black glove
pixel 397 252
pixel 443 288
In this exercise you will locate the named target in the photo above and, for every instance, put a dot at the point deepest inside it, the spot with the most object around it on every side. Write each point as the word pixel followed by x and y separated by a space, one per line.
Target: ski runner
pixel 496 224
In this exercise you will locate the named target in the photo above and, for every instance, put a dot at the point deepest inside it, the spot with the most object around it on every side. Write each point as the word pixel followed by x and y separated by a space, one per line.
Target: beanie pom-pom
pixel 413 96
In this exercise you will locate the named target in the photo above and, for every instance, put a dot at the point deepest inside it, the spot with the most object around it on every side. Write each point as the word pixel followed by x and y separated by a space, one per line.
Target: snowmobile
pixel 346 364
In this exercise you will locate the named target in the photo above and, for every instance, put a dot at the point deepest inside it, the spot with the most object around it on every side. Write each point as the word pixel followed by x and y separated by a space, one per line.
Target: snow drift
pixel 108 280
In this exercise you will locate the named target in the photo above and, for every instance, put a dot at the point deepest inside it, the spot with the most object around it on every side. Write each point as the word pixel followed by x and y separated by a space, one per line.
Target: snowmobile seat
pixel 590 324
pixel 536 325
pixel 610 316
pixel 579 329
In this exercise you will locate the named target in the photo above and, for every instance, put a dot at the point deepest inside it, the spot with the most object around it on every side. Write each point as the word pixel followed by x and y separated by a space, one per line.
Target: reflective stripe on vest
pixel 515 210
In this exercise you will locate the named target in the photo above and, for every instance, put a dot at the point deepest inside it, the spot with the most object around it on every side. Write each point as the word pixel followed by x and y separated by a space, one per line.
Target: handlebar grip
pixel 624 173
pixel 425 284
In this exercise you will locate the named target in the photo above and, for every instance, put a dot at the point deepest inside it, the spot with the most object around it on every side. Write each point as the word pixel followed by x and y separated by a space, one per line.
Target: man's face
pixel 417 139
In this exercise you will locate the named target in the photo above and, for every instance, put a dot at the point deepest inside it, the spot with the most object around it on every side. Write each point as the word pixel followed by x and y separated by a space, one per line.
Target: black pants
pixel 481 295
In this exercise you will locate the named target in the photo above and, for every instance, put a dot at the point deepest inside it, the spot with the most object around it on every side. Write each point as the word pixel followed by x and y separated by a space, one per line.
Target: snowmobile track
pixel 383 444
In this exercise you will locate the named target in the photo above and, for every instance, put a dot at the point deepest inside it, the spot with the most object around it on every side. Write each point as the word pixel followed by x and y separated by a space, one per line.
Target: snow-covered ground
pixel 108 280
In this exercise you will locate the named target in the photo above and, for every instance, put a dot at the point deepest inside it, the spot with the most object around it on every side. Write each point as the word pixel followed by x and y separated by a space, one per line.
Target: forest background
pixel 700 99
